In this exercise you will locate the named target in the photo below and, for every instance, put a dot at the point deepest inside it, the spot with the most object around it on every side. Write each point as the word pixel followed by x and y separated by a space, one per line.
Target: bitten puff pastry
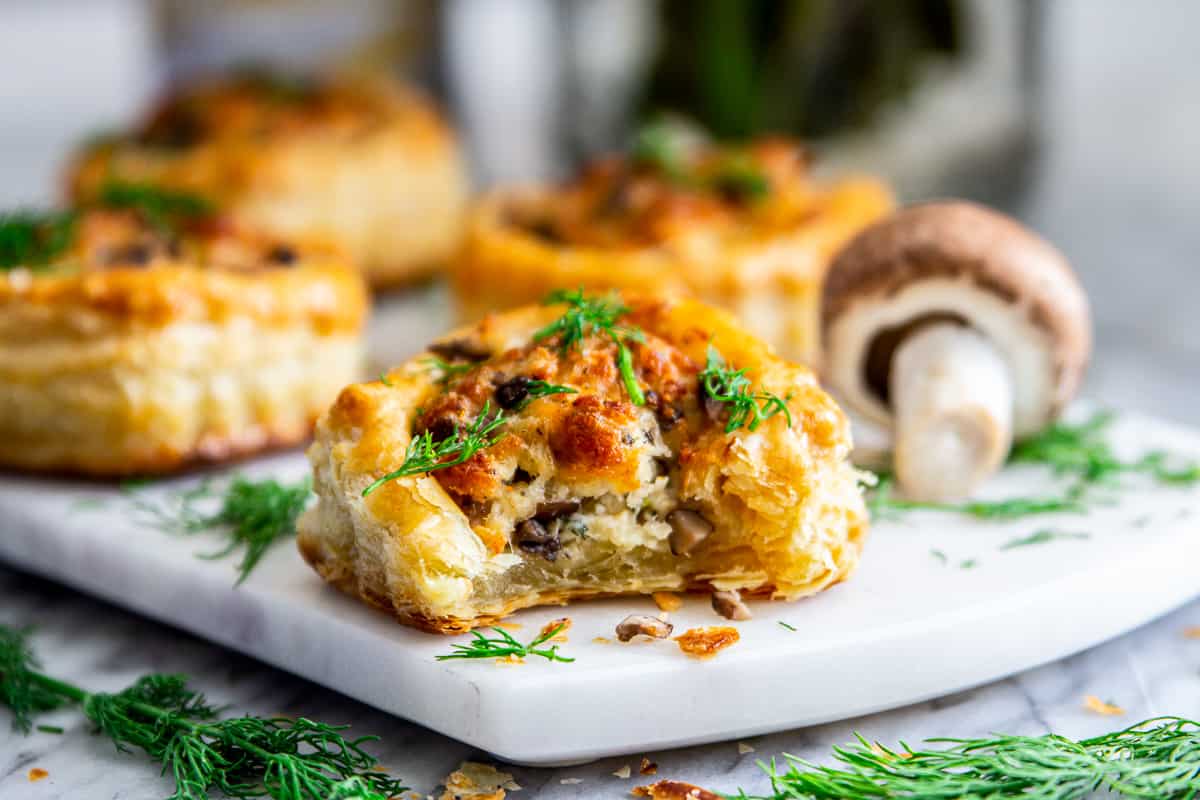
pixel 744 228
pixel 569 487
pixel 366 163
pixel 144 335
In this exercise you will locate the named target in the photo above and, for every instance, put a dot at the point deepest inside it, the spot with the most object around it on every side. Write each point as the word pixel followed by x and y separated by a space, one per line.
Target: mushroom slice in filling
pixel 547 471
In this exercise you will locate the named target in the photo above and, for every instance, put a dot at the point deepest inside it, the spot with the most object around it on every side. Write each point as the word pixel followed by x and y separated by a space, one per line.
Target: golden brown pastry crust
pixel 136 352
pixel 439 553
pixel 764 259
pixel 367 164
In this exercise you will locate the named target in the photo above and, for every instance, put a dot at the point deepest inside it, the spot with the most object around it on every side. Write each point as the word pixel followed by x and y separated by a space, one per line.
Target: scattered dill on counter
pixel 503 645
pixel 783 624
pixel 253 515
pixel 1156 758
pixel 241 757
pixel 731 388
pixel 587 315
pixel 426 455
pixel 1044 536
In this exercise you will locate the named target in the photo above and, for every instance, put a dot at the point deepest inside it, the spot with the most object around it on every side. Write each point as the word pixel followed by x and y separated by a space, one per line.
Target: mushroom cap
pixel 955 260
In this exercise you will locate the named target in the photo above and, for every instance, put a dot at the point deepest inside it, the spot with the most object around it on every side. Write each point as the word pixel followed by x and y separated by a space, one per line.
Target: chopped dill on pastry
pixel 536 477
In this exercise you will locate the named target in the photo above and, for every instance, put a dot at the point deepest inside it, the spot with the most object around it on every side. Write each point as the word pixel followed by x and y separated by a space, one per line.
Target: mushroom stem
pixel 952 398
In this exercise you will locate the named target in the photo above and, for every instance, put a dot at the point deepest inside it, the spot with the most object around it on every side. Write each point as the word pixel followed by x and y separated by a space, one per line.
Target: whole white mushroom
pixel 960 330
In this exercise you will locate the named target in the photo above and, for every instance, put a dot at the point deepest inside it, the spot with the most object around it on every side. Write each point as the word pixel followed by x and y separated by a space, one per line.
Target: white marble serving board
pixel 909 625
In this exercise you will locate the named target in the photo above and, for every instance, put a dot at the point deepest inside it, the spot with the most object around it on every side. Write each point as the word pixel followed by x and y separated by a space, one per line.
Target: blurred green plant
pixel 805 67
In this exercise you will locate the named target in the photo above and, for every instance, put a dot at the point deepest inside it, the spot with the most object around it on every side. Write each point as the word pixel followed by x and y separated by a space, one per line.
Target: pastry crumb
pixel 1192 632
pixel 36 774
pixel 510 661
pixel 601 640
pixel 707 642
pixel 475 781
pixel 648 767
pixel 673 790
pixel 744 748
pixel 667 601
pixel 1098 706
pixel 623 772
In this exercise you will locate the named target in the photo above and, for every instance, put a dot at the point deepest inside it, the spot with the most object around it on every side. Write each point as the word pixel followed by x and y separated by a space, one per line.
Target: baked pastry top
pixel 747 228
pixel 367 163
pixel 590 447
pixel 145 332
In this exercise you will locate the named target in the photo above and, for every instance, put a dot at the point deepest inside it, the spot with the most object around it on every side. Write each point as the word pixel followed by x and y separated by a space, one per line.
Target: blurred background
pixel 1078 116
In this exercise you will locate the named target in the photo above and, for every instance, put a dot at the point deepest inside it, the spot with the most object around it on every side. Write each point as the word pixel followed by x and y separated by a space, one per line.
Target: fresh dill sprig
pixel 539 388
pixel 165 209
pixel 595 315
pixel 19 691
pixel 240 757
pixel 1158 758
pixel 33 239
pixel 252 514
pixel 503 645
pixel 733 389
pixel 1044 536
pixel 786 626
pixel 426 455
pixel 447 371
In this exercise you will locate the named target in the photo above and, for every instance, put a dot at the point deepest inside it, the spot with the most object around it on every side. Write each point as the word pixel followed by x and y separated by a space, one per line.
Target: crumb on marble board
pixel 674 790
pixel 36 774
pixel 475 781
pixel 707 642
pixel 1098 706
pixel 647 767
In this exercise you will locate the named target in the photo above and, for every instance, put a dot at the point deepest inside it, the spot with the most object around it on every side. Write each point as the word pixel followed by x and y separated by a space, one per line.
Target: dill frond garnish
pixel 252 514
pixel 739 179
pixel 539 388
pixel 242 757
pixel 447 371
pixel 1044 536
pixel 595 315
pixel 1156 758
pixel 165 209
pixel 33 239
pixel 426 455
pixel 503 645
pixel 659 146
pixel 733 389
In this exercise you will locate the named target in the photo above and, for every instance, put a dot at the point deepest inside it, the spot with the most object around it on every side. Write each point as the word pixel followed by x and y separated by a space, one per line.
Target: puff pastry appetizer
pixel 582 449
pixel 143 334
pixel 747 228
pixel 368 164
